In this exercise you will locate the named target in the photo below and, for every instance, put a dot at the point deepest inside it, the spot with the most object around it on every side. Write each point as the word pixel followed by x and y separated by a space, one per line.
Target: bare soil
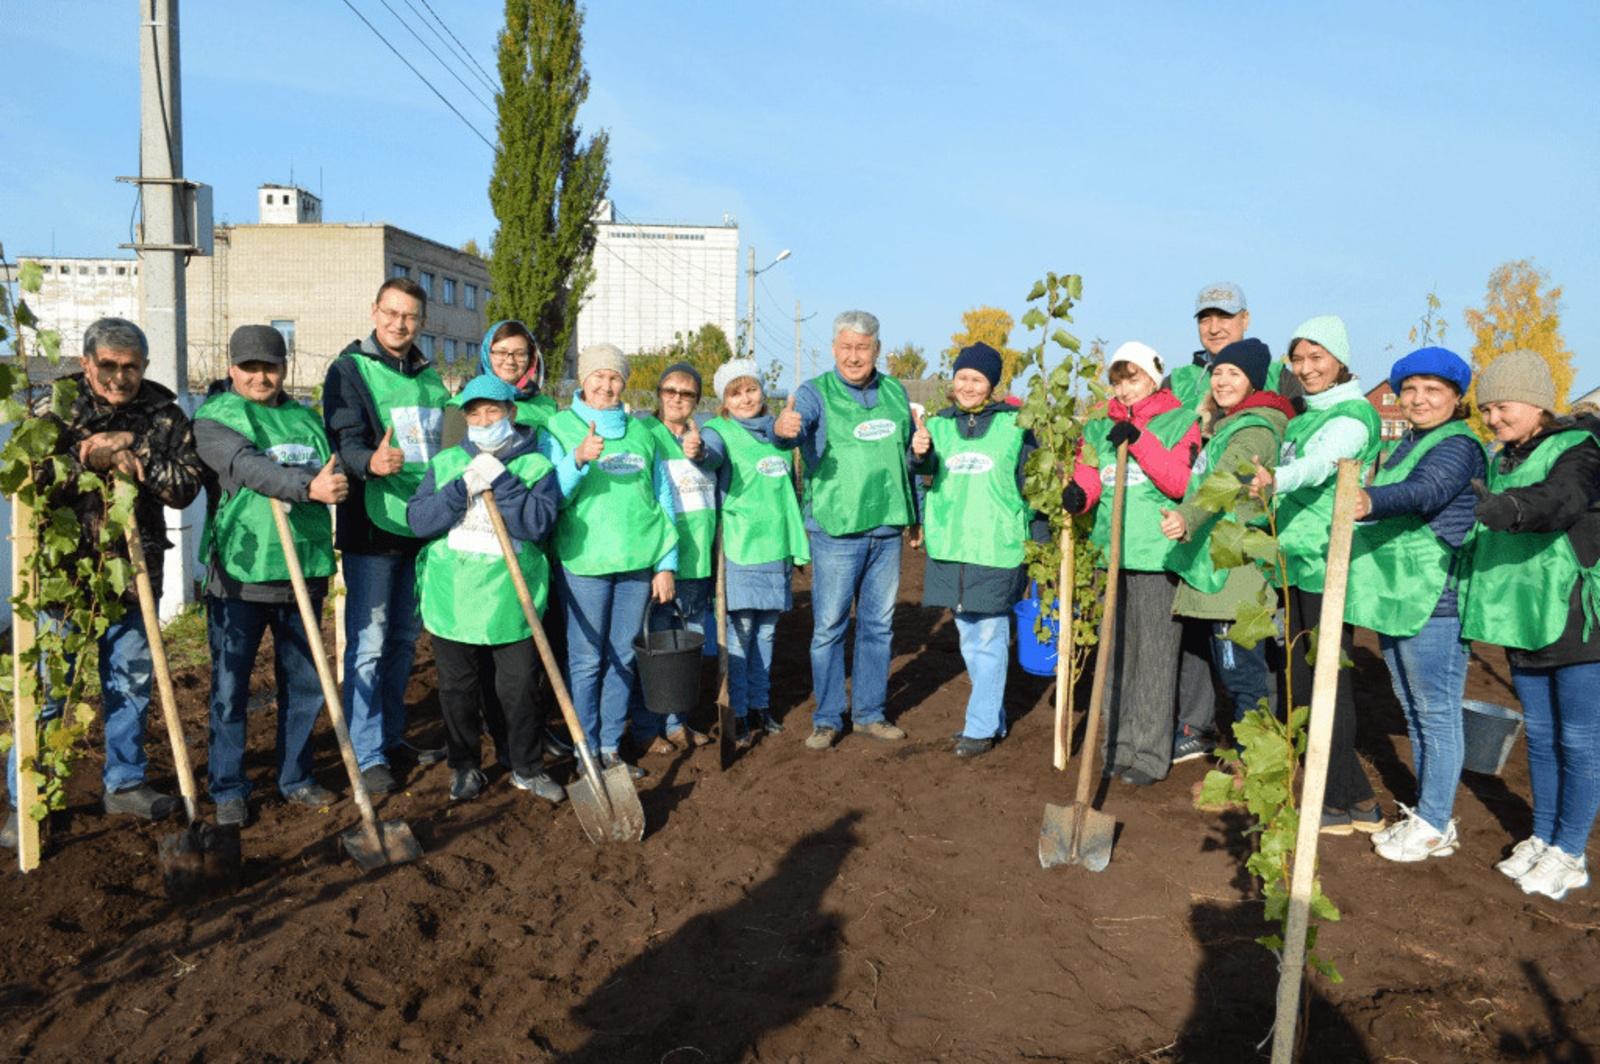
pixel 875 902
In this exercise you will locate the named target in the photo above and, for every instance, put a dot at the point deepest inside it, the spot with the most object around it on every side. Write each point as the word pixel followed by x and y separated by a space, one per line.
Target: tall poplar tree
pixel 545 186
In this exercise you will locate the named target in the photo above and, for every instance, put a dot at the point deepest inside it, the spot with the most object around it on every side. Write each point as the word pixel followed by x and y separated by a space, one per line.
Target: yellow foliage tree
pixel 907 363
pixel 992 326
pixel 1521 312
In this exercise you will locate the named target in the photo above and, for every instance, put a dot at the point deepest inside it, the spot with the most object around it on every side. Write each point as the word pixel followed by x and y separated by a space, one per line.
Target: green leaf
pixel 1260 545
pixel 1034 318
pixel 1251 625
pixel 49 341
pixel 1065 339
pixel 25 316
pixel 1062 311
pixel 1325 967
pixel 12 410
pixel 1321 907
pixel 63 393
pixel 1217 790
pixel 30 277
pixel 1074 286
pixel 1218 492
pixel 123 494
pixel 1036 291
pixel 1227 537
pixel 83 714
pixel 1272 942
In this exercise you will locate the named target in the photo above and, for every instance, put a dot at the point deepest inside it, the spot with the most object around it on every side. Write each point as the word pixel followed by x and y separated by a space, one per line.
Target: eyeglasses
pixel 514 354
pixel 679 393
pixel 394 315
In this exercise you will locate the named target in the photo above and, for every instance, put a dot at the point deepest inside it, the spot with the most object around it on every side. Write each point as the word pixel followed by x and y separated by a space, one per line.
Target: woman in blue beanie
pixel 1403 563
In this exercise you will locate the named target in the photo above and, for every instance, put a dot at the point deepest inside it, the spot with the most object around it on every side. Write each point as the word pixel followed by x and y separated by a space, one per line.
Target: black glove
pixel 1123 432
pixel 1497 512
pixel 1074 499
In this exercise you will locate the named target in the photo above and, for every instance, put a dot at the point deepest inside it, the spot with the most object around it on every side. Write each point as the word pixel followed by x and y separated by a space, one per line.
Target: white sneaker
pixel 1556 873
pixel 1417 840
pixel 1406 812
pixel 1523 857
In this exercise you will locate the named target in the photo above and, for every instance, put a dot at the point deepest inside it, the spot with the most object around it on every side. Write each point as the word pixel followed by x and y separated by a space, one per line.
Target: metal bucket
pixel 1490 731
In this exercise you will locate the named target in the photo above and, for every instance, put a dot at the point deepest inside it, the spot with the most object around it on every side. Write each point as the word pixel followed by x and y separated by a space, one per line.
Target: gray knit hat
pixel 1518 376
pixel 601 356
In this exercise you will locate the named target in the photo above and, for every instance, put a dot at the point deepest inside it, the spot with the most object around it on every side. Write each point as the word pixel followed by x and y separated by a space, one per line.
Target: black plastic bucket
pixel 669 665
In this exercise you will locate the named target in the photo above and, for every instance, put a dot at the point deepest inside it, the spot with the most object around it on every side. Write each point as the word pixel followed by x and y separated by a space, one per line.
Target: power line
pixel 420 77
pixel 487 79
pixel 449 67
pixel 651 281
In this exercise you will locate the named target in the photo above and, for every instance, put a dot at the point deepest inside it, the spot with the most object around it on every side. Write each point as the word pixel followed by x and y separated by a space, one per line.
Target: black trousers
pixel 1347 780
pixel 495 687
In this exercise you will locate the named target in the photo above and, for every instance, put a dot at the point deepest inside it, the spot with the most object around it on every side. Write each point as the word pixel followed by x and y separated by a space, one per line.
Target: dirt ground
pixel 876 903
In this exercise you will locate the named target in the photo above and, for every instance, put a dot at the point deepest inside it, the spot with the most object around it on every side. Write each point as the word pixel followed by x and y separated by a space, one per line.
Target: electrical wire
pixel 651 281
pixel 449 67
pixel 453 109
pixel 487 78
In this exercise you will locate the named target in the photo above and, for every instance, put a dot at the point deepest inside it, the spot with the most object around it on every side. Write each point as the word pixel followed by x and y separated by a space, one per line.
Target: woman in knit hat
pixel 615 539
pixel 975 524
pixel 1403 558
pixel 1163 438
pixel 1338 423
pixel 1533 587
pixel 763 538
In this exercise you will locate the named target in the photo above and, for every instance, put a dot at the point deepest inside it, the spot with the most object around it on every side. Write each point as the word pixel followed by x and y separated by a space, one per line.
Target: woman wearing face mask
pixel 1163 438
pixel 509 353
pixel 615 540
pixel 1415 516
pixel 481 640
pixel 1338 423
pixel 1533 587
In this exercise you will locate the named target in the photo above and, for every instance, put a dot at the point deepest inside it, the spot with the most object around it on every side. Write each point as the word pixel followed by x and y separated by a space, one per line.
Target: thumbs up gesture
pixel 788 423
pixel 1173 525
pixel 1262 483
pixel 694 448
pixel 387 459
pixel 921 441
pixel 329 485
pixel 589 449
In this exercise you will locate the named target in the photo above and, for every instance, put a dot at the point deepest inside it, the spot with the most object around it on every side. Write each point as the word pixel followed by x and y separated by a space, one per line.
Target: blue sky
pixel 918 157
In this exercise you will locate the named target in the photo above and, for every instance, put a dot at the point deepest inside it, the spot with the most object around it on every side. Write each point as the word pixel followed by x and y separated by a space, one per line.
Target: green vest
pixel 612 523
pixel 1305 515
pixel 1517 588
pixel 1191 559
pixel 975 514
pixel 466 592
pixel 241 534
pixel 761 520
pixel 536 411
pixel 861 482
pixel 1144 548
pixel 1192 383
pixel 414 408
pixel 694 499
pixel 1398 567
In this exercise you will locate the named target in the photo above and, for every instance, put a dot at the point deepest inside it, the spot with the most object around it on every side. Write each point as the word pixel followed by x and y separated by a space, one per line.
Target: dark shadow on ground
pixel 1558 1045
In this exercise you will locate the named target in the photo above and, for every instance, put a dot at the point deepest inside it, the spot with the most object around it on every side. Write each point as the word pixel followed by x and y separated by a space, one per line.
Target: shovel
pixel 372 844
pixel 607 803
pixel 1081 835
pixel 202 858
pixel 726 747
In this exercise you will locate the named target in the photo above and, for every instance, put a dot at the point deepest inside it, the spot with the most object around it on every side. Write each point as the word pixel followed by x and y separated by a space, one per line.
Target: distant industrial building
pixel 74 292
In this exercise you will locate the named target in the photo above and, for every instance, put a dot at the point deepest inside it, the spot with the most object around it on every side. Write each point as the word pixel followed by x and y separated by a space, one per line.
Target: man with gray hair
pixel 121 423
pixel 853 427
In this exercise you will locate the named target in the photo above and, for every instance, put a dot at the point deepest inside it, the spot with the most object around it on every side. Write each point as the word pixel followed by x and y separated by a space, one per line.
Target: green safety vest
pixel 466 591
pixel 1517 586
pixel 241 535
pixel 974 512
pixel 1305 515
pixel 761 519
pixel 535 412
pixel 414 408
pixel 1191 559
pixel 1144 548
pixel 861 482
pixel 1398 567
pixel 694 498
pixel 612 523
pixel 1192 383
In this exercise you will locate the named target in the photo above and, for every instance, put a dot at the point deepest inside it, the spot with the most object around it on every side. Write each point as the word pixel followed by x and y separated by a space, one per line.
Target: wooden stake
pixel 1066 674
pixel 25 731
pixel 1324 688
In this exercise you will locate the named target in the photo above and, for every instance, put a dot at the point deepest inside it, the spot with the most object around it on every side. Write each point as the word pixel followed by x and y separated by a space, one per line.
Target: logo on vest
pixel 1287 452
pixel 622 464
pixel 876 429
pixel 772 466
pixel 1135 475
pixel 294 454
pixel 1201 466
pixel 968 463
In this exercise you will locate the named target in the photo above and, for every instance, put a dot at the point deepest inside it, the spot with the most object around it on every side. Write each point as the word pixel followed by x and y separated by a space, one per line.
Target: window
pixel 122 271
pixel 426 281
pixel 449 350
pixel 470 296
pixel 1391 399
pixel 399 269
pixel 83 271
pixel 426 342
pixel 101 270
pixel 449 292
pixel 285 326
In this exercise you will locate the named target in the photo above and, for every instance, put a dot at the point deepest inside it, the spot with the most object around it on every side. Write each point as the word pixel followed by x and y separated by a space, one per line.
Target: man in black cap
pixel 259 444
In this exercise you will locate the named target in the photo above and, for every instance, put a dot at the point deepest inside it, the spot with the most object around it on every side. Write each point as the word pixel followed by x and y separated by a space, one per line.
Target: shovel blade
pixel 396 845
pixel 615 815
pixel 1095 833
pixel 202 859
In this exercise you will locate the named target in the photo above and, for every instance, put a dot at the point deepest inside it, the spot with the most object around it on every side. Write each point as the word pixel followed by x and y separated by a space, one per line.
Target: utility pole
pixel 750 306
pixel 797 320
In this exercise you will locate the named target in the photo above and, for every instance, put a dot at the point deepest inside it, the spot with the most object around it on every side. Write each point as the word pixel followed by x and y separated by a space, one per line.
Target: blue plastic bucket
pixel 1036 658
pixel 1490 732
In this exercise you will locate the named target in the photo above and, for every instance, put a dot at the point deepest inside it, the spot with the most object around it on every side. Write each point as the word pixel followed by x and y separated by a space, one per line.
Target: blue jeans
pixel 1561 709
pixel 125 671
pixel 986 648
pixel 1429 673
pixel 234 629
pixel 603 614
pixel 1244 673
pixel 381 625
pixel 864 570
pixel 750 635
pixel 693 598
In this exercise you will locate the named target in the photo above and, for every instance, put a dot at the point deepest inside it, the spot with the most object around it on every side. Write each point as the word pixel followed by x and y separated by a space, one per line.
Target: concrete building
pixel 1387 404
pixel 652 281
pixel 1590 397
pixel 74 292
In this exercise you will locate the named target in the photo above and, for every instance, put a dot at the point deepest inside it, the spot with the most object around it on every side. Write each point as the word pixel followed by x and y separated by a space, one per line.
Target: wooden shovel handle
pixel 1066 674
pixel 158 660
pixel 1108 635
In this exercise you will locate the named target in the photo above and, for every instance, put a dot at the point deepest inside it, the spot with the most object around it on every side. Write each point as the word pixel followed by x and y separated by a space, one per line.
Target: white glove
pixel 482 472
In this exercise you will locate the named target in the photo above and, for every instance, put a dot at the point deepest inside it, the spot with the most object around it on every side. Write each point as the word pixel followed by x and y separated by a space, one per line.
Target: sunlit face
pixel 510 357
pixel 970 389
pixel 1229 386
pixel 1427 402
pixel 259 382
pixel 1314 366
pixel 602 389
pixel 743 397
pixel 397 318
pixel 1512 421
pixel 481 412
pixel 1135 386
pixel 855 355
pixel 1218 330
pixel 114 375
pixel 678 396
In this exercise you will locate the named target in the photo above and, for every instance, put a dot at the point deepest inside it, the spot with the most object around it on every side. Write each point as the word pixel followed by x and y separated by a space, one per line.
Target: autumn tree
pixel 907 362
pixel 705 349
pixel 547 182
pixel 992 326
pixel 1521 312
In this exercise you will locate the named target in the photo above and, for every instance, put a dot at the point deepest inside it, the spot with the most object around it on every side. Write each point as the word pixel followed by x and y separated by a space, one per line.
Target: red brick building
pixel 1387 404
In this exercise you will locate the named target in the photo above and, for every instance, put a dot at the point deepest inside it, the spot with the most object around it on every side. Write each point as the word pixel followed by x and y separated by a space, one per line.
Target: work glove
pixel 482 472
pixel 1495 511
pixel 1074 499
pixel 1123 432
